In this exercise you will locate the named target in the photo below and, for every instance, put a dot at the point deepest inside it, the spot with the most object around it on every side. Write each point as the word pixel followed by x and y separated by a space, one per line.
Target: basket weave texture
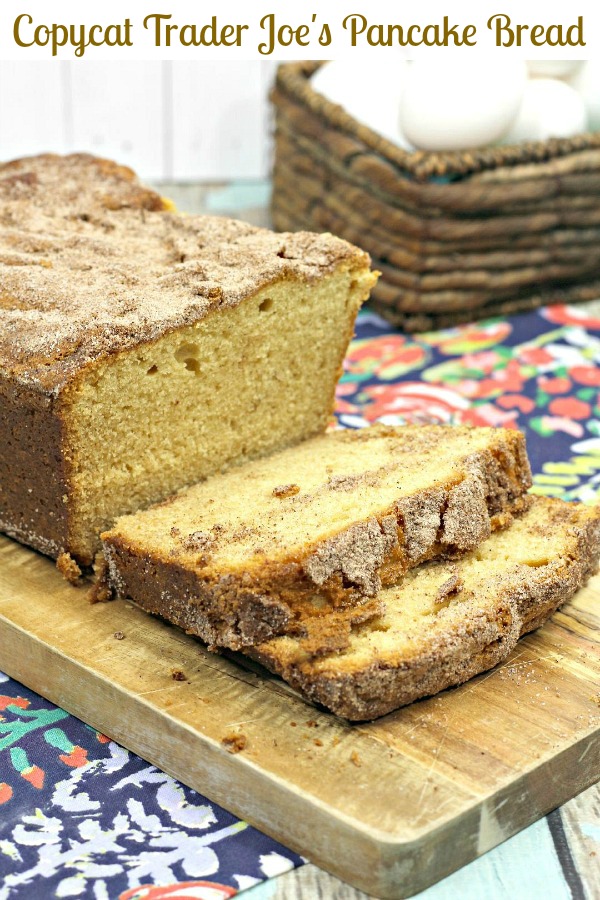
pixel 456 236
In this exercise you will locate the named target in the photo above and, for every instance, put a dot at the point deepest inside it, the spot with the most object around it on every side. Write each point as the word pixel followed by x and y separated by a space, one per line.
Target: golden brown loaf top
pixel 318 525
pixel 70 186
pixel 91 263
pixel 449 620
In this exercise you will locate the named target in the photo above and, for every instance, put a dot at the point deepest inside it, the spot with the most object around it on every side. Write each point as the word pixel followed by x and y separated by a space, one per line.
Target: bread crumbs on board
pixel 234 742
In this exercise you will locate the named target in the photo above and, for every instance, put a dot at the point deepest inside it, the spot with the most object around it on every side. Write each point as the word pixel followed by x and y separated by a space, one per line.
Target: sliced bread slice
pixel 248 554
pixel 448 621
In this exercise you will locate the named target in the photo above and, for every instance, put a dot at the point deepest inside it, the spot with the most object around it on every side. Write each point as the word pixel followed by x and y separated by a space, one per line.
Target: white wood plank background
pixel 180 120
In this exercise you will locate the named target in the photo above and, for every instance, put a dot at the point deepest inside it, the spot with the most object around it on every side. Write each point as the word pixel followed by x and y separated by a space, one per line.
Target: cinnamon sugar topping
pixel 91 263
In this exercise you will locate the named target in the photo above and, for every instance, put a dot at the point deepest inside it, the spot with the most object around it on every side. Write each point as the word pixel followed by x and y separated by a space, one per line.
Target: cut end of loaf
pixel 241 383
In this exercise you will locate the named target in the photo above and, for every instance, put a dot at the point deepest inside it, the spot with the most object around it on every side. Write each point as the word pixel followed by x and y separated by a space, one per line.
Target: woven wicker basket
pixel 456 236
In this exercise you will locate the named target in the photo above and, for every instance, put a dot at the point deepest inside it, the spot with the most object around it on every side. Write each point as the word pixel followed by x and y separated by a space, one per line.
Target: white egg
pixel 586 82
pixel 550 108
pixel 553 68
pixel 371 95
pixel 455 105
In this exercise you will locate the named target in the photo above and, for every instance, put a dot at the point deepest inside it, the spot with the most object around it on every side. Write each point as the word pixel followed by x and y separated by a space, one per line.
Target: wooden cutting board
pixel 391 806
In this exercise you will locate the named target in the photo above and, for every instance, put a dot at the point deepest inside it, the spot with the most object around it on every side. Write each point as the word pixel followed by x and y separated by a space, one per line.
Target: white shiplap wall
pixel 169 120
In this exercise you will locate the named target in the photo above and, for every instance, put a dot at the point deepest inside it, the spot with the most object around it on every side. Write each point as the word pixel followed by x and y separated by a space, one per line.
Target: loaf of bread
pixel 142 350
pixel 448 621
pixel 320 526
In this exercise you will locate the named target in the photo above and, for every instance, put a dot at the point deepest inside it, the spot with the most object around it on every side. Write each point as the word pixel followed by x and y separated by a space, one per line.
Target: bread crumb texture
pixel 68 568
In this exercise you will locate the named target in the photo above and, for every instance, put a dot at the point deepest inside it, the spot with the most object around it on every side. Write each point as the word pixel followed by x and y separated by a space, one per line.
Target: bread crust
pixel 524 600
pixel 240 609
pixel 93 263
pixel 34 479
